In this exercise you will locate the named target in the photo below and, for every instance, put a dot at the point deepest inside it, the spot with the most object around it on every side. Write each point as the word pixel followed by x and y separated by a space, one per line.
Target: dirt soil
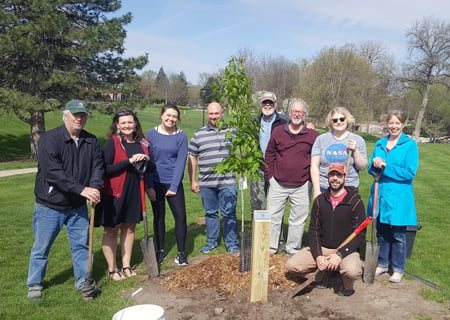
pixel 212 287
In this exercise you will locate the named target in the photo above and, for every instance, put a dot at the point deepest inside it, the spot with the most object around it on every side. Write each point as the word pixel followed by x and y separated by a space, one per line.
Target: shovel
pixel 147 244
pixel 91 242
pixel 311 277
pixel 89 290
pixel 372 247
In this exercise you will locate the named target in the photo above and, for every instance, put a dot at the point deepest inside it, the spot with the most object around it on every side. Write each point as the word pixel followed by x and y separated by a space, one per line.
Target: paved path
pixel 5 173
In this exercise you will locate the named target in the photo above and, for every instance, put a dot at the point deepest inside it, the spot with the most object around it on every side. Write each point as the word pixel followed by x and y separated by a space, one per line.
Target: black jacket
pixel 330 227
pixel 64 169
pixel 280 119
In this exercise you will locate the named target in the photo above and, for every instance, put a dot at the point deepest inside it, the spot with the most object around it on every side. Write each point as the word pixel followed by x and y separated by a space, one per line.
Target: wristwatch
pixel 339 254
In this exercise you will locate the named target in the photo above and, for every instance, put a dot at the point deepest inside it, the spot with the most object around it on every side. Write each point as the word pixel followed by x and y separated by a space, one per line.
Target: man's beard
pixel 268 112
pixel 338 188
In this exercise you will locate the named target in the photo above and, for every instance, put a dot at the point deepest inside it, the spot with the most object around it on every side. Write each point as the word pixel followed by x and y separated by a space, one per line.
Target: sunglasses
pixel 268 102
pixel 341 119
pixel 125 113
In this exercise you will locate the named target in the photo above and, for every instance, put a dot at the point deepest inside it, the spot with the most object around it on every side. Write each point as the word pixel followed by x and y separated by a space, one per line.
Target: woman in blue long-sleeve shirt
pixel 169 147
pixel 396 209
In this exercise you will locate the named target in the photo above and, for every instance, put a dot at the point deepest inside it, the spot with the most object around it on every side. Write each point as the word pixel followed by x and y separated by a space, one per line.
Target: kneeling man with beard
pixel 335 214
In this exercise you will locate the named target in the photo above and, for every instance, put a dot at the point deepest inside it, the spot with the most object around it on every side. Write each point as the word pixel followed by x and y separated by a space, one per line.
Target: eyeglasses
pixel 267 102
pixel 125 113
pixel 300 113
pixel 341 119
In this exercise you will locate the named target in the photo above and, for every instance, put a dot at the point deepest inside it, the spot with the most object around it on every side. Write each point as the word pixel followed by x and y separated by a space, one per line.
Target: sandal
pixel 116 275
pixel 128 272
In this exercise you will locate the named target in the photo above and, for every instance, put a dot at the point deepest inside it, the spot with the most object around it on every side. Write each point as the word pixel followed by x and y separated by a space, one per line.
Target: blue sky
pixel 196 36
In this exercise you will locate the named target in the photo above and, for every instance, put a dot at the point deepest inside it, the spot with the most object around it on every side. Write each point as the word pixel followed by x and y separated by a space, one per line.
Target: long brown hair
pixel 138 135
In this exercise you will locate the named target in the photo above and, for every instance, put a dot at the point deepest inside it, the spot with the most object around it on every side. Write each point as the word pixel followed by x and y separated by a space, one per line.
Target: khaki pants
pixel 350 268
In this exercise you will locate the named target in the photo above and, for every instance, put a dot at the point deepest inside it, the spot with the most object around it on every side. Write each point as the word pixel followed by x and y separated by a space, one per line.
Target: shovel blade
pixel 149 254
pixel 370 262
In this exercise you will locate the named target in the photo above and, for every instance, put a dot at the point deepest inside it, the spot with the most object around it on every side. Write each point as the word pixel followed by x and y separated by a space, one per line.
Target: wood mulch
pixel 222 272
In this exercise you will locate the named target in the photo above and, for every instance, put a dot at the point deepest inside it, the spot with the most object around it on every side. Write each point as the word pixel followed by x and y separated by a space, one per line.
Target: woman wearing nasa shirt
pixel 334 146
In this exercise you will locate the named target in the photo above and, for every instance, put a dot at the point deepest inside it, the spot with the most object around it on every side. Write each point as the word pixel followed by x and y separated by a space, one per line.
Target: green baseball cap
pixel 76 106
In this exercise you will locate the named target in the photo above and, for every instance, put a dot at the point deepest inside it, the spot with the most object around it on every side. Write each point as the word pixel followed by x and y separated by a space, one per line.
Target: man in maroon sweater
pixel 335 214
pixel 288 159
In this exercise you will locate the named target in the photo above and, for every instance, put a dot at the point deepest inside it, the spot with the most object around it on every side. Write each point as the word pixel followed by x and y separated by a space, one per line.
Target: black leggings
pixel 178 206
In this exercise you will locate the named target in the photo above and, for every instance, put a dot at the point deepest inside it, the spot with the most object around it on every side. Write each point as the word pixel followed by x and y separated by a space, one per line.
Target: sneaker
pixel 207 248
pixel 181 259
pixel 234 249
pixel 89 290
pixel 160 256
pixel 34 293
pixel 396 277
pixel 380 270
pixel 321 286
pixel 345 292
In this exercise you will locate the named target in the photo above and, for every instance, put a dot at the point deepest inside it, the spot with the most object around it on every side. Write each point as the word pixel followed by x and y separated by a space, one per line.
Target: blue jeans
pixel 225 200
pixel 47 223
pixel 392 241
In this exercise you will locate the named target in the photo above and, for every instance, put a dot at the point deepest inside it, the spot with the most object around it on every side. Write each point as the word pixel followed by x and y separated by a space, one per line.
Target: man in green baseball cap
pixel 70 173
pixel 76 106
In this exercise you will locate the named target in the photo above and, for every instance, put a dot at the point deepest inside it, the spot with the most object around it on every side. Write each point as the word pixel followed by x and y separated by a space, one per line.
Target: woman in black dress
pixel 120 207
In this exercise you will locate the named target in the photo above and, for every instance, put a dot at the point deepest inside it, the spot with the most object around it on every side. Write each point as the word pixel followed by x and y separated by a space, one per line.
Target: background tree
pixel 209 93
pixel 161 86
pixel 178 89
pixel 429 61
pixel 54 50
pixel 338 77
pixel 147 84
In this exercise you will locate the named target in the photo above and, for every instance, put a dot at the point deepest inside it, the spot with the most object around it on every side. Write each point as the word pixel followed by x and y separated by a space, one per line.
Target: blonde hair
pixel 341 110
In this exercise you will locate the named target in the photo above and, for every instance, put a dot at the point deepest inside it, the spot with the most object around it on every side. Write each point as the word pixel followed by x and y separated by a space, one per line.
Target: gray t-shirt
pixel 331 150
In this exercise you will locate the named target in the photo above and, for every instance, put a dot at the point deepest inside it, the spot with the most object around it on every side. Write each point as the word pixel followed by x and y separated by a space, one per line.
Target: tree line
pixel 54 50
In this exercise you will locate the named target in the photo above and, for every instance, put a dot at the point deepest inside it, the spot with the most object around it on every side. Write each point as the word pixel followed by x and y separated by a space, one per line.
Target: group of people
pixel 73 172
pixel 298 159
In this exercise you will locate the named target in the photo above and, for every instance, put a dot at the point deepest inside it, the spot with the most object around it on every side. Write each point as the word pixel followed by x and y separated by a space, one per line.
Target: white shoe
pixel 380 271
pixel 396 277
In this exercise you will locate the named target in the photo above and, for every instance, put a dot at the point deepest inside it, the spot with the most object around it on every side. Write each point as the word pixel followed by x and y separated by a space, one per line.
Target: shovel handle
pixel 144 208
pixel 349 158
pixel 91 239
pixel 357 231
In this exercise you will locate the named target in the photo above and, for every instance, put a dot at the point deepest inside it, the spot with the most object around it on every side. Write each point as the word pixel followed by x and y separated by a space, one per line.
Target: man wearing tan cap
pixel 269 120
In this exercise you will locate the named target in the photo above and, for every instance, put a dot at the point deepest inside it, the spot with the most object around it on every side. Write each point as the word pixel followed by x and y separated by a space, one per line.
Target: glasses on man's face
pixel 341 119
pixel 297 113
pixel 125 113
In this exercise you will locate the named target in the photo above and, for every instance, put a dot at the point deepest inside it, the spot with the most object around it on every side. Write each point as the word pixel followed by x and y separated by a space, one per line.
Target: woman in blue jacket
pixel 399 156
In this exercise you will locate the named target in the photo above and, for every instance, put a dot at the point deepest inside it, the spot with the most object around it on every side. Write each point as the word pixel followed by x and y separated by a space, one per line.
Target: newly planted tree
pixel 245 156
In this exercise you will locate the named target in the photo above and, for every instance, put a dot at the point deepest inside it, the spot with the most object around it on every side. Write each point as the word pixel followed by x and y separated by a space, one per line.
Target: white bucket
pixel 140 312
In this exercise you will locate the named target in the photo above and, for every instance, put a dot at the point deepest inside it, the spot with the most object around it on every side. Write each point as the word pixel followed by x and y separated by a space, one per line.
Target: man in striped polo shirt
pixel 208 147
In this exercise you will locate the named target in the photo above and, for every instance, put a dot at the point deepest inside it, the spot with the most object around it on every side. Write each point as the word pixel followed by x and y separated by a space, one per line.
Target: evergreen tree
pixel 162 85
pixel 52 51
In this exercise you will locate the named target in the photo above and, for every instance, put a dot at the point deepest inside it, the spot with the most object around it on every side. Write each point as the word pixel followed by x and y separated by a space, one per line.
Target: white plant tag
pixel 243 183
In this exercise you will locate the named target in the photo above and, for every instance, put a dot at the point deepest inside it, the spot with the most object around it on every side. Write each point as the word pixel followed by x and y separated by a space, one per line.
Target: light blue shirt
pixel 264 132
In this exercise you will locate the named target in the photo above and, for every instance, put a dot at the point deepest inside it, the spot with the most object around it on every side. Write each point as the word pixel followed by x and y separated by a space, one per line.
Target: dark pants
pixel 178 207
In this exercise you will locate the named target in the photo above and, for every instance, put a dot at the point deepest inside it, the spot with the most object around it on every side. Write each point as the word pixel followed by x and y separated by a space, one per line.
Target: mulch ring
pixel 222 272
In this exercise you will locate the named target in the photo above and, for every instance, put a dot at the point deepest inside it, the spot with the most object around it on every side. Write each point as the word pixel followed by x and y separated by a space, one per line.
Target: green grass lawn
pixel 430 258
